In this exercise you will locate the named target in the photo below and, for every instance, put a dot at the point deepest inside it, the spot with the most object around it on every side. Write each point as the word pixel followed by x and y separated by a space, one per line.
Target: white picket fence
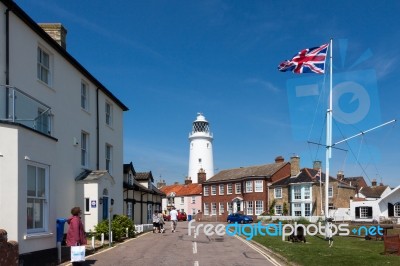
pixel 141 228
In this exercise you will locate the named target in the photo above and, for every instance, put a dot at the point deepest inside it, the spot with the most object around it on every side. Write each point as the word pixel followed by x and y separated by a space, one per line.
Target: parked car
pixel 181 216
pixel 239 218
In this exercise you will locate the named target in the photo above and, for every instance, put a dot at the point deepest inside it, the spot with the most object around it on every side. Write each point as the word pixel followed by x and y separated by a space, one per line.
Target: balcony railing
pixel 19 107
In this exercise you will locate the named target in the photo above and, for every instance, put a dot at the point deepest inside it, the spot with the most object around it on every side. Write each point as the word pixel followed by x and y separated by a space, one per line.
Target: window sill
pixel 38 235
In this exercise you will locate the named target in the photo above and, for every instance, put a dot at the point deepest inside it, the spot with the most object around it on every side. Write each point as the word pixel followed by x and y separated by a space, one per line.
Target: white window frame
pixel 249 207
pixel 229 189
pixel 278 192
pixel 330 192
pixel 364 212
pixel 259 207
pixel 229 207
pixel 221 208
pixel 221 189
pixel 182 200
pixel 129 209
pixel 44 68
pixel 307 192
pixel 206 209
pixel 249 186
pixel 238 188
pixel 109 158
pixel 213 190
pixel 193 199
pixel 396 209
pixel 109 114
pixel 297 192
pixel 84 96
pixel 213 208
pixel 85 149
pixel 206 190
pixel 34 202
pixel 278 210
pixel 307 209
pixel 258 186
pixel 297 209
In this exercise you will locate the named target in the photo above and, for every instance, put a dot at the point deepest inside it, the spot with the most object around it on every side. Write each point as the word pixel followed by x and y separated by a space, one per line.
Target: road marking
pixel 194 247
pixel 262 252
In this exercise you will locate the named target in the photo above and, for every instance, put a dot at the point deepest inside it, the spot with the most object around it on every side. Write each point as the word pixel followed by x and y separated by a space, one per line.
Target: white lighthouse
pixel 201 151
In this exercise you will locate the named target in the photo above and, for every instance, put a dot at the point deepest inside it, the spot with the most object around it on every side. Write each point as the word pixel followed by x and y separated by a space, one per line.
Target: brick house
pixel 184 197
pixel 302 194
pixel 242 189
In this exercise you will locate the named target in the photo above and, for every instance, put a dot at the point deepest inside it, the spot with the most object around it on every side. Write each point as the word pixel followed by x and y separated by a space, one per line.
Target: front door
pixel 105 208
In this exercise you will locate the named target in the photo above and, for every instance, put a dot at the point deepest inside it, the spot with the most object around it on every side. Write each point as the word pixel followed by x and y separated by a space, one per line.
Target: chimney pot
pixel 279 159
pixel 373 182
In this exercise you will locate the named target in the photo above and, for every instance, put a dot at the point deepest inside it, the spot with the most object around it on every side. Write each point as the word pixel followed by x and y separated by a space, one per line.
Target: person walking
pixel 156 222
pixel 76 232
pixel 174 219
pixel 161 222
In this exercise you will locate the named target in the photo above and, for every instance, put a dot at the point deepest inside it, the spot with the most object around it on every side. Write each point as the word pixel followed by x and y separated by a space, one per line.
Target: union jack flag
pixel 311 60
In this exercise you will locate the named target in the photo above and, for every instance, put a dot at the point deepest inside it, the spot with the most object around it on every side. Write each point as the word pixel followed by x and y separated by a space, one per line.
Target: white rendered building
pixel 201 149
pixel 61 135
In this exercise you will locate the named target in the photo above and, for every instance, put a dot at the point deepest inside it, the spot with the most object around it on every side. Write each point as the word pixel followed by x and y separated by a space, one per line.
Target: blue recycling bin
pixel 60 229
pixel 189 217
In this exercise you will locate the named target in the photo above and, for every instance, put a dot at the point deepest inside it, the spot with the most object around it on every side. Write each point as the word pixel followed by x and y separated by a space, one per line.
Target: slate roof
pixel 266 170
pixel 144 176
pixel 356 180
pixel 89 175
pixel 308 175
pixel 129 167
pixel 373 192
pixel 181 190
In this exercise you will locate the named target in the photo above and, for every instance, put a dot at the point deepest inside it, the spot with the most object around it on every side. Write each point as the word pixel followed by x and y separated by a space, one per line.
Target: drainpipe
pixel 7 60
pixel 97 131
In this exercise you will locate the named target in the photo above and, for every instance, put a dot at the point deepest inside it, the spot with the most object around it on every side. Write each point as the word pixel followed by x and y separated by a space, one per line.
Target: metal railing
pixel 24 109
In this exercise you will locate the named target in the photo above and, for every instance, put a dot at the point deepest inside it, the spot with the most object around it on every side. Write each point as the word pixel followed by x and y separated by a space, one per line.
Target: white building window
pixel 193 200
pixel 206 209
pixel 278 210
pixel 249 207
pixel 37 198
pixel 364 212
pixel 259 207
pixel 297 209
pixel 396 209
pixel 238 188
pixel 130 179
pixel 213 190
pixel 229 189
pixel 221 189
pixel 307 209
pixel 84 96
pixel 182 200
pixel 278 192
pixel 307 193
pixel 109 114
pixel 330 192
pixel 43 66
pixel 129 210
pixel 258 186
pixel 85 149
pixel 229 206
pixel 206 190
pixel 109 157
pixel 249 186
pixel 297 192
pixel 221 208
pixel 213 208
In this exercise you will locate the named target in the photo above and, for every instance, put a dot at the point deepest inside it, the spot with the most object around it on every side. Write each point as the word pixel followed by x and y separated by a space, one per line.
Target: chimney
pixel 294 165
pixel 317 165
pixel 201 176
pixel 279 159
pixel 340 175
pixel 57 32
pixel 188 181
pixel 373 182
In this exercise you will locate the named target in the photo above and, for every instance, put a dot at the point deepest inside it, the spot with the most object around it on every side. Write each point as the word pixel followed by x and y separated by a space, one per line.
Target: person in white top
pixel 174 219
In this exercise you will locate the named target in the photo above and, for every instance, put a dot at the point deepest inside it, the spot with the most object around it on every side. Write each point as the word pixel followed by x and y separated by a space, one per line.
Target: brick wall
pixel 8 250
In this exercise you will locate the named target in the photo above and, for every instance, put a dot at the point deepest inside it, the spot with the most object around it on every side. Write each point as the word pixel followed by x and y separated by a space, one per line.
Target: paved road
pixel 180 248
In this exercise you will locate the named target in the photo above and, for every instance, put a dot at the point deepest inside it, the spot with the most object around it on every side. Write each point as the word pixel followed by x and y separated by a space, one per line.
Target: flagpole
pixel 328 148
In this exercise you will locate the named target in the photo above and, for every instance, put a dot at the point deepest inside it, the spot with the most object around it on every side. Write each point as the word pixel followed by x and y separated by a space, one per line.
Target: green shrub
pixel 118 227
pixel 302 220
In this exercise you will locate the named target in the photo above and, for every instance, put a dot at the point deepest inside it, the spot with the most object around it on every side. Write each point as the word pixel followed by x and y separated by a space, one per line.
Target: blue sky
pixel 168 60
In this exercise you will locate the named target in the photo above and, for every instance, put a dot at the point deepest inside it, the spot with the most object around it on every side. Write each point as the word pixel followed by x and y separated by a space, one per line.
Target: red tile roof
pixel 181 190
